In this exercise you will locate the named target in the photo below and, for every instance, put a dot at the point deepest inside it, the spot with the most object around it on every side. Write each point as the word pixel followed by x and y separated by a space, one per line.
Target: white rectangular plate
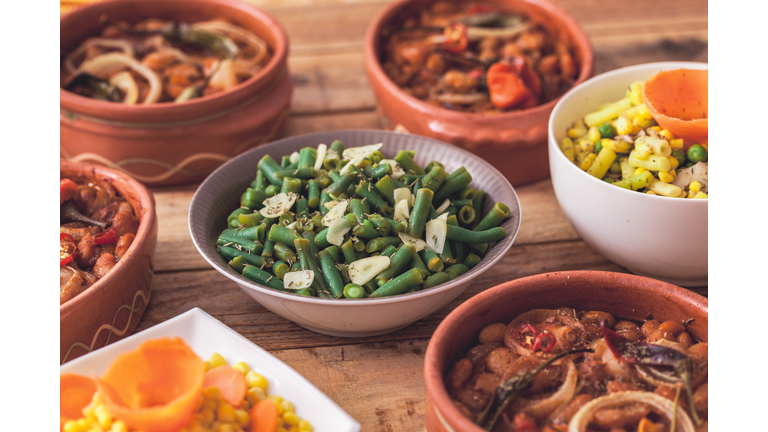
pixel 205 334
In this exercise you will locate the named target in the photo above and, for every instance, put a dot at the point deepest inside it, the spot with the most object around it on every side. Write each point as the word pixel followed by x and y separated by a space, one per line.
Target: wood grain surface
pixel 379 380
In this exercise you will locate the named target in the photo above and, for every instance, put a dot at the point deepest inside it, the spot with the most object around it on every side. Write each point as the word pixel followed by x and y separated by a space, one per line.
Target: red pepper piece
pixel 530 78
pixel 506 88
pixel 66 244
pixel 640 352
pixel 107 237
pixel 545 341
pixel 455 37
pixel 67 190
pixel 480 8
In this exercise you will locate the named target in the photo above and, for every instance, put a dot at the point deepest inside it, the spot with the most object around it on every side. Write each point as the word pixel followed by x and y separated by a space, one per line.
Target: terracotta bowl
pixel 655 236
pixel 515 142
pixel 215 199
pixel 111 308
pixel 623 295
pixel 169 143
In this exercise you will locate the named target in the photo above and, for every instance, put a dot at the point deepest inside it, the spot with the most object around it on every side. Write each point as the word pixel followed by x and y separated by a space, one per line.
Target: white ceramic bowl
pixel 218 195
pixel 655 236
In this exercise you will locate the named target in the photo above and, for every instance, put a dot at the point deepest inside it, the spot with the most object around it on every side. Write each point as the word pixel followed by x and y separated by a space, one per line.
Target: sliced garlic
pixel 443 206
pixel 297 280
pixel 336 231
pixel 336 212
pixel 321 152
pixel 401 211
pixel 436 230
pixel 363 270
pixel 402 194
pixel 419 244
pixel 278 205
pixel 364 151
pixel 397 170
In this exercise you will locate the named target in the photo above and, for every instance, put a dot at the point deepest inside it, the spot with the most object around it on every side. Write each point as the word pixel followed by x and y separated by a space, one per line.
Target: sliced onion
pixel 124 46
pixel 229 30
pixel 541 409
pixel 125 82
pixel 662 406
pixel 294 157
pixel 297 280
pixel 458 98
pixel 109 63
pixel 363 270
pixel 355 161
pixel 225 78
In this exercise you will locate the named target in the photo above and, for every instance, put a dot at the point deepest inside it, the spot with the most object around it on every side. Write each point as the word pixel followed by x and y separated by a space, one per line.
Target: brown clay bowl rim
pixel 77 102
pixel 440 340
pixel 147 225
pixel 581 43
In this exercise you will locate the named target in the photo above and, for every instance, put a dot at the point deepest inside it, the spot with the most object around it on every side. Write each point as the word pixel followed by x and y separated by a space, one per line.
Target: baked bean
pixel 673 327
pixel 649 327
pixel 459 374
pixel 700 399
pixel 493 333
pixel 104 264
pixel 685 339
pixel 629 330
pixel 499 360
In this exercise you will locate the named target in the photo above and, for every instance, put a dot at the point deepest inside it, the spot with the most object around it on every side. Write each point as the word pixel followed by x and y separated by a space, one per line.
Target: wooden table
pixel 378 380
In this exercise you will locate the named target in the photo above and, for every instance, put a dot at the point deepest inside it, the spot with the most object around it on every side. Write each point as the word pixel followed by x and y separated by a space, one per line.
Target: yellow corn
pixel 694 186
pixel 701 195
pixel 676 143
pixel 254 395
pixel 305 426
pixel 206 415
pixel 291 418
pixel 594 134
pixel 72 426
pixel 667 134
pixel 586 145
pixel 666 176
pixel 619 146
pixel 624 125
pixel 212 393
pixel 242 417
pixel 577 132
pixel 217 360
pixel 650 192
pixel 691 194
pixel 211 404
pixel 253 379
pixel 566 145
pixel 242 367
pixel 226 412
pixel 642 152
pixel 208 366
pixel 288 406
pixel 642 122
pixel 673 160
pixel 588 161
pixel 652 129
pixel 103 417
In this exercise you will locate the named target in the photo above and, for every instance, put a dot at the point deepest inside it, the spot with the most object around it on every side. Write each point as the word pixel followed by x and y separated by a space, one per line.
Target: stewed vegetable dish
pixel 478 57
pixel 558 370
pixel 155 61
pixel 97 226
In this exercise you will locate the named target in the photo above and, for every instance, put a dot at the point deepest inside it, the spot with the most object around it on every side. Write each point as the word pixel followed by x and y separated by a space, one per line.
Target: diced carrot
pixel 154 388
pixel 678 101
pixel 75 393
pixel 263 417
pixel 229 381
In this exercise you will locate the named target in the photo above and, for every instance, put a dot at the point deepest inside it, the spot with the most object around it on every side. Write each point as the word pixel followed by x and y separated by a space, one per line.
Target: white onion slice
pixel 298 279
pixel 229 30
pixel 402 194
pixel 540 409
pixel 124 46
pixel 125 82
pixel 443 206
pixel 109 63
pixel 662 405
pixel 363 270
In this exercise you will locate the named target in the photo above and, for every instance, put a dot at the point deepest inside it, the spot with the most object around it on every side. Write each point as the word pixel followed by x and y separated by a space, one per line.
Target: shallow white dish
pixel 655 236
pixel 205 334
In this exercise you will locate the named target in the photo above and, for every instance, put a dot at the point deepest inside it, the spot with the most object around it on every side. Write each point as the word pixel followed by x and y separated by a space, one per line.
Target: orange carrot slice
pixel 263 417
pixel 154 388
pixel 75 393
pixel 229 381
pixel 678 101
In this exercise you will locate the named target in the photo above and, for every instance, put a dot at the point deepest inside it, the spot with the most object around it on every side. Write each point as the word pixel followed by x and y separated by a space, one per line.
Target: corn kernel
pixel 652 129
pixel 103 417
pixel 84 424
pixel 624 126
pixel 288 406
pixel 217 360
pixel 694 186
pixel 642 153
pixel 212 393
pixel 594 134
pixel 242 367
pixel 72 426
pixel 211 404
pixel 206 415
pixel 227 427
pixel 673 160
pixel 119 426
pixel 641 122
pixel 577 132
pixel 254 395
pixel 701 195
pixel 586 145
pixel 650 192
pixel 667 134
pixel 666 177
pixel 253 379
pixel 588 161
pixel 278 401
pixel 291 418
pixel 226 413
pixel 639 170
pixel 305 426
pixel 676 144
pixel 242 417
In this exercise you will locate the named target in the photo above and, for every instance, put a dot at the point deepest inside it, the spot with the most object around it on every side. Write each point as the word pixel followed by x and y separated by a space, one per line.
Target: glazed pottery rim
pixel 582 45
pixel 436 384
pixel 484 265
pixel 147 224
pixel 554 149
pixel 74 101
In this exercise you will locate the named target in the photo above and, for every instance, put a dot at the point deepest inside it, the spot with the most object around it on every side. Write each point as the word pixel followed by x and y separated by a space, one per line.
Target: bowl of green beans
pixel 354 233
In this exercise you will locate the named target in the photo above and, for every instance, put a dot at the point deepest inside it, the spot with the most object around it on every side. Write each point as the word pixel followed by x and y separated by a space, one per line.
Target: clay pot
pixel 623 295
pixel 514 142
pixel 110 309
pixel 170 143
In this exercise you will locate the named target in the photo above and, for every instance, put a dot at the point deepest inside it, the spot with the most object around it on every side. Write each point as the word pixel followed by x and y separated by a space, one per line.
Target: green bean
pixel 389 251
pixel 313 193
pixel 310 235
pixel 291 184
pixel 456 270
pixel 418 184
pixel 409 179
pixel 338 147
pixel 323 179
pixel 269 167
pixel 360 246
pixel 258 183
pixel 331 161
pixel 321 239
pixel 432 260
pixel 348 250
pixel 418 263
pixel 396 227
pixel 285 253
pixel 281 234
pixel 434 178
pixel 378 171
pixel 233 220
pixel 477 205
pixel 341 185
pixel 386 187
pixel 433 164
pixel 466 236
pixel 458 251
pixel 461 202
pixel 400 284
pixel 265 278
pixel 331 274
pixel 324 198
pixel 453 184
pixel 285 162
pixel 405 160
pixel 472 260
pixel 380 223
pixel 370 286
pixel 280 268
pixel 307 157
pixel 247 232
pixel 494 218
pixel 253 199
pixel 238 263
pixel 381 243
pixel 309 292
pixel 397 263
pixel 365 231
pixel 436 279
pixel 446 256
pixel 373 197
pixel 252 259
pixel 333 251
pixel 467 193
pixel 466 215
pixel 241 243
pixel 308 262
pixel 420 212
pixel 272 190
pixel 317 221
pixel 359 208
pixel 354 291
pixel 249 219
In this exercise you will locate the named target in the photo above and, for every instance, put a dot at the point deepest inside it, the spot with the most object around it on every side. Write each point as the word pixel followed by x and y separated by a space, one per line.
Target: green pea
pixel 607 130
pixel 615 167
pixel 679 155
pixel 697 153
pixel 598 146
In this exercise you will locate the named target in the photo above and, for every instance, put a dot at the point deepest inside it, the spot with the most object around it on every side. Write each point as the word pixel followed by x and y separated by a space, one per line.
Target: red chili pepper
pixel 541 342
pixel 67 190
pixel 640 352
pixel 506 88
pixel 455 37
pixel 64 256
pixel 107 237
pixel 480 8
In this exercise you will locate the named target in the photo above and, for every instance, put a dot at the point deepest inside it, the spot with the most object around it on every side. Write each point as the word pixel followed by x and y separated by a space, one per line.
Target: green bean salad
pixel 337 222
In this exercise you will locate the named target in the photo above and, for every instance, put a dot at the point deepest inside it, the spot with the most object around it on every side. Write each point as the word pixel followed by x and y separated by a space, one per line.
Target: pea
pixel 697 153
pixel 615 167
pixel 607 130
pixel 608 180
pixel 679 155
pixel 598 147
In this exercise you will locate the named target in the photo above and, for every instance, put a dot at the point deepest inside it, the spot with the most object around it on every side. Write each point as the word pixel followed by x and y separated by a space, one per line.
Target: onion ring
pixel 662 405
